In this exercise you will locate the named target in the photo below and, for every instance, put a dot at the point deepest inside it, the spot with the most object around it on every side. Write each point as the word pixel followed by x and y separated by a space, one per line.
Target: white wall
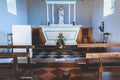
pixel 37 12
pixel 84 13
pixel 112 22
pixel 97 18
pixel 7 19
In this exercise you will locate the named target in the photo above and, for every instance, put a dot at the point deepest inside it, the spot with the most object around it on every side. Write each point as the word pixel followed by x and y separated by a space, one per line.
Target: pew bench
pixel 101 56
pixel 97 45
pixel 9 61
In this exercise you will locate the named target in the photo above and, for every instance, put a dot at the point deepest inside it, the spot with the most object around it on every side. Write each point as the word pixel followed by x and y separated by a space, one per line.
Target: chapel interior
pixel 59 40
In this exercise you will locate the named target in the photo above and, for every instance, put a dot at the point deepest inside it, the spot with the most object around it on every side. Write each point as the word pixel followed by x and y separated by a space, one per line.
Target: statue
pixel 101 27
pixel 61 15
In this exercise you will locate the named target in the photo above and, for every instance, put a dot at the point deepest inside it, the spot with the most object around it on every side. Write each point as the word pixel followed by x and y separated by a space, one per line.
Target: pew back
pixel 14 56
pixel 101 56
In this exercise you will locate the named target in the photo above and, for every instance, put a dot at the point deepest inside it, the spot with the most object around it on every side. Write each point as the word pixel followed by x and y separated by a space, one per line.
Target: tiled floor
pixel 58 54
pixel 63 74
pixel 72 74
pixel 75 73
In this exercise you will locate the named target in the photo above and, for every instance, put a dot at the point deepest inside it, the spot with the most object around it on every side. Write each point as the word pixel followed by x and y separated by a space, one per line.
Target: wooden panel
pixel 112 69
pixel 103 55
pixel 90 34
pixel 97 45
pixel 79 37
pixel 6 55
pixel 16 46
pixel 42 37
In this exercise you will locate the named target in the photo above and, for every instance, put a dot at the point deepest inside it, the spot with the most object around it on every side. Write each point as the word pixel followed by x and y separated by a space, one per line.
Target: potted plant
pixel 60 41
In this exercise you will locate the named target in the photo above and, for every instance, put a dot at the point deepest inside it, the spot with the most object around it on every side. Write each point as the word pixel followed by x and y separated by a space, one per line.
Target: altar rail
pixel 13 55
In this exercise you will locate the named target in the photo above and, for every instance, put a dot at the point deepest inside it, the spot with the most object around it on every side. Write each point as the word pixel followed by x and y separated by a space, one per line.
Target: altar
pixel 69 32
pixel 59 23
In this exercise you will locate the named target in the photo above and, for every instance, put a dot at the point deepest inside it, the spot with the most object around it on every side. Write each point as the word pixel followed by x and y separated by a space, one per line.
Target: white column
pixel 74 13
pixel 53 13
pixel 47 14
pixel 69 13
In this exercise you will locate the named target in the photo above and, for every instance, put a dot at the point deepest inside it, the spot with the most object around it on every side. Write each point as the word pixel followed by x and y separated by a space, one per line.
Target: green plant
pixel 60 41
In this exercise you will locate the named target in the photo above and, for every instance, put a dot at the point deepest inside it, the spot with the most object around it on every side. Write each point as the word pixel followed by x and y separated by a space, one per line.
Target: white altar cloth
pixel 70 33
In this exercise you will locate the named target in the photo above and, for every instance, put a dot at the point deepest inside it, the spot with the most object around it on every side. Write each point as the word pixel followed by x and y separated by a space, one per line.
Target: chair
pixel 106 37
pixel 10 41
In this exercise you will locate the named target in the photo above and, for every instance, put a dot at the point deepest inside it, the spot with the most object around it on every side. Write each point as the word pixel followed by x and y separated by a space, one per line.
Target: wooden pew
pixel 97 45
pixel 101 56
pixel 14 56
pixel 92 45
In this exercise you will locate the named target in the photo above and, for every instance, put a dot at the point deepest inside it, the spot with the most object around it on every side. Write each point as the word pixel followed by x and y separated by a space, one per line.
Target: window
pixel 109 7
pixel 11 6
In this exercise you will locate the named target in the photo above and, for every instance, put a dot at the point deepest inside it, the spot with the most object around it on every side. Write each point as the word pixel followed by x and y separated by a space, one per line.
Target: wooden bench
pixel 14 57
pixel 102 56
pixel 97 45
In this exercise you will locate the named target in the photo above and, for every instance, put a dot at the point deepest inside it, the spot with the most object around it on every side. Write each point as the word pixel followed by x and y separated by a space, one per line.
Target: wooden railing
pixel 14 56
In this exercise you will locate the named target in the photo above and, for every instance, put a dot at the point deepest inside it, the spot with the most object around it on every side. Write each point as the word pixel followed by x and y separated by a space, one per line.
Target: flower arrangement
pixel 60 41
